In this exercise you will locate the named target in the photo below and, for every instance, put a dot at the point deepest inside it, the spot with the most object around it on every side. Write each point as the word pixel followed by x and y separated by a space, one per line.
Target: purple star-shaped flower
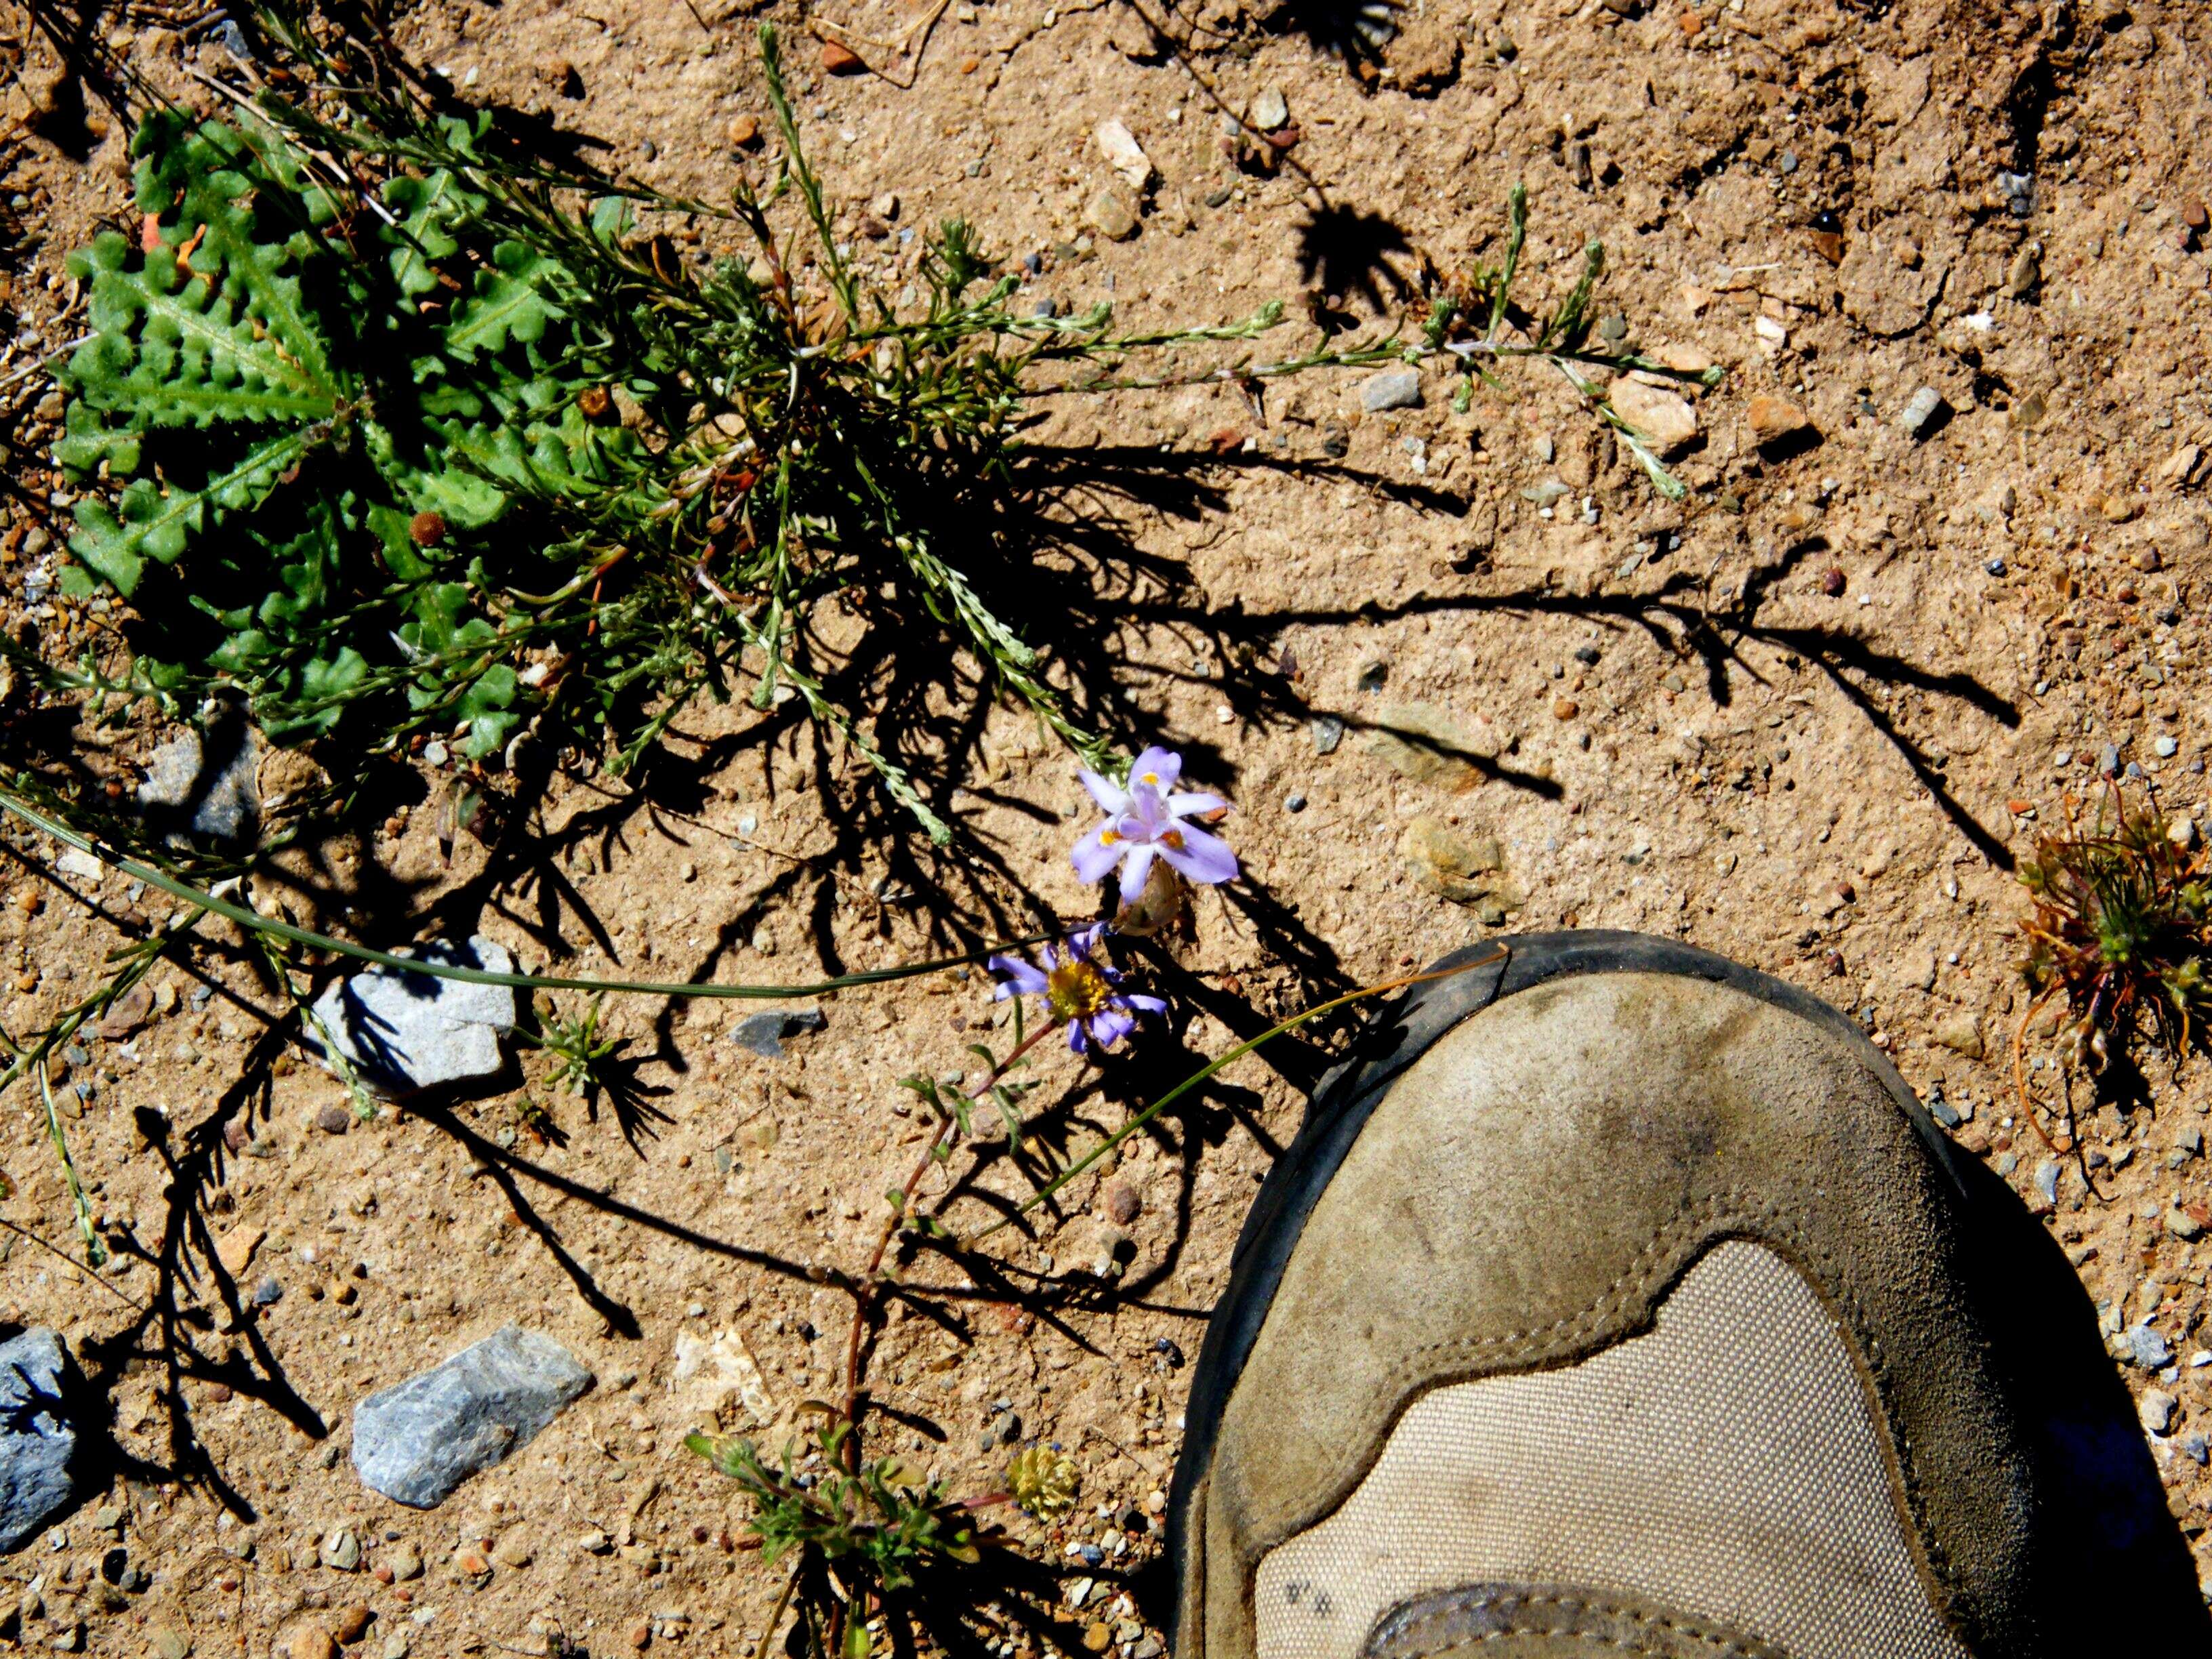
pixel 1079 988
pixel 1150 818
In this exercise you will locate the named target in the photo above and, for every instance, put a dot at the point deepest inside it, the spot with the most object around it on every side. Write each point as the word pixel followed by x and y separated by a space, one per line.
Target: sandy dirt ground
pixel 1811 717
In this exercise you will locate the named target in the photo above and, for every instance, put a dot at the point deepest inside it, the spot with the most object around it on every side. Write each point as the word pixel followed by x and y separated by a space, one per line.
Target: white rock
pixel 75 861
pixel 404 1032
pixel 1123 153
pixel 707 1373
pixel 1270 110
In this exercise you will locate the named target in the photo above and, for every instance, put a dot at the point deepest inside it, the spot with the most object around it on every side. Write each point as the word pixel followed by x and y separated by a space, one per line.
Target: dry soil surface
pixel 1811 717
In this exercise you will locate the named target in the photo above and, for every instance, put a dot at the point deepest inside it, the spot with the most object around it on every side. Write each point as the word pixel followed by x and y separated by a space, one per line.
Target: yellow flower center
pixel 1172 838
pixel 1152 778
pixel 1074 990
pixel 1108 837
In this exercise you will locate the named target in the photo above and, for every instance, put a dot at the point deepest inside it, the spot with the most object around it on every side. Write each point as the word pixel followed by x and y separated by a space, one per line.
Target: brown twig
pixel 866 1290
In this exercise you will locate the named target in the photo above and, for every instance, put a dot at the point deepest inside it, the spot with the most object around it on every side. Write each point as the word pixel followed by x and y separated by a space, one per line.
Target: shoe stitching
pixel 1732 1205
pixel 1720 1646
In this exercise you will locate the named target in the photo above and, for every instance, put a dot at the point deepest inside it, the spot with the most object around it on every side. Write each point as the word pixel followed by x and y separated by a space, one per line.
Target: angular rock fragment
pixel 418 1440
pixel 763 1032
pixel 37 1439
pixel 404 1032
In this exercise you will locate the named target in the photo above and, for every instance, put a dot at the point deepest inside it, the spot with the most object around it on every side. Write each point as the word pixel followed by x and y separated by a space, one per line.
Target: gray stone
pixel 2164 748
pixel 2046 1180
pixel 2196 1450
pixel 2154 1411
pixel 763 1032
pixel 1327 732
pixel 268 1292
pixel 404 1032
pixel 418 1440
pixel 2147 1348
pixel 198 786
pixel 1917 415
pixel 2108 761
pixel 37 1440
pixel 1112 213
pixel 1394 388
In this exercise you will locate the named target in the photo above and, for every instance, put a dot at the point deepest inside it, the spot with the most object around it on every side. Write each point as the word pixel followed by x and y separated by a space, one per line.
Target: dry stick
pixel 863 1294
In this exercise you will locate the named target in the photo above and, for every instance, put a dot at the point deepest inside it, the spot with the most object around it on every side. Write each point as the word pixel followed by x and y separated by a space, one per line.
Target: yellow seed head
pixel 1043 1481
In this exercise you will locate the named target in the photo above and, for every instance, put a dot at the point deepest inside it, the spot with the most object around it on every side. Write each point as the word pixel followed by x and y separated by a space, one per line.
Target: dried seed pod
pixel 426 529
pixel 596 402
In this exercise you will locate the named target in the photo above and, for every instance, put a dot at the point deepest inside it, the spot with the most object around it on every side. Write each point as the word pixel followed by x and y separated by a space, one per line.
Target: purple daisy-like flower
pixel 1147 819
pixel 1079 989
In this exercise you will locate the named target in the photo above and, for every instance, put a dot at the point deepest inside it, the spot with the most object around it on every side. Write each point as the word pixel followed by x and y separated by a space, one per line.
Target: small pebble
pixel 1919 413
pixel 2164 748
pixel 1294 801
pixel 1396 388
pixel 334 1120
pixel 2155 1411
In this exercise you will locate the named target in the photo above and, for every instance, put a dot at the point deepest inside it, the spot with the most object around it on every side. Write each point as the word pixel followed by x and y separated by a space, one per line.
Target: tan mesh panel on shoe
pixel 1724 1464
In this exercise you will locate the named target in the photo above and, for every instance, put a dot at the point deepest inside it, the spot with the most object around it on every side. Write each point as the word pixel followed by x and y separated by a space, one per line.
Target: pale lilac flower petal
pixel 1112 798
pixel 1109 1026
pixel 1203 859
pixel 1022 979
pixel 1188 803
pixel 1158 767
pixel 1136 865
pixel 1085 941
pixel 1093 858
pixel 1148 1005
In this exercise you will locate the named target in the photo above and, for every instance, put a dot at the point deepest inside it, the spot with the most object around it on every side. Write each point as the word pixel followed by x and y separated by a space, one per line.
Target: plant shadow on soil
pixel 1060 565
pixel 1053 555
